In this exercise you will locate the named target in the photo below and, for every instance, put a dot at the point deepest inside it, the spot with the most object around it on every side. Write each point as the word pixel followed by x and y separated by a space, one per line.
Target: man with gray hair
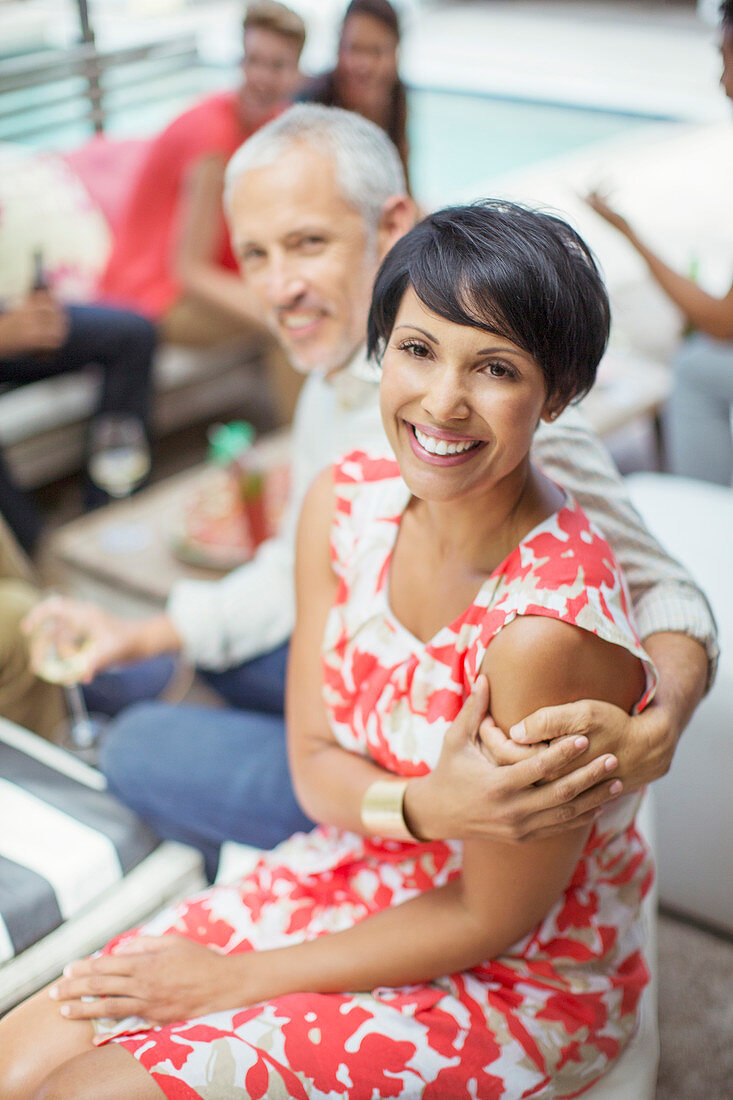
pixel 314 201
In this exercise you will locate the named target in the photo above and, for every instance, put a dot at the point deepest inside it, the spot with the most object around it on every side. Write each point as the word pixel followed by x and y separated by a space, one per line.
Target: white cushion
pixel 694 521
pixel 64 840
pixel 103 900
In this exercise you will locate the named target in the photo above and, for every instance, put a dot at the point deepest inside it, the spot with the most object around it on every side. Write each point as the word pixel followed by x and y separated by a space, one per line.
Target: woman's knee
pixel 109 1072
pixel 34 1041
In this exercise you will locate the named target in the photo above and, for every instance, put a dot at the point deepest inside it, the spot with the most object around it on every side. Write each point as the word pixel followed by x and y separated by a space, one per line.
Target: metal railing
pixel 33 88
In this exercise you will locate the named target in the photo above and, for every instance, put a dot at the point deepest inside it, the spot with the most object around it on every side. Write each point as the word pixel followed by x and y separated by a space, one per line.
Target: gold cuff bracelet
pixel 382 810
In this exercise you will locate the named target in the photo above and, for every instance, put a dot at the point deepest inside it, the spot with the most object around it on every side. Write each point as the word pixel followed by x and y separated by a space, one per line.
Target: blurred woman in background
pixel 365 79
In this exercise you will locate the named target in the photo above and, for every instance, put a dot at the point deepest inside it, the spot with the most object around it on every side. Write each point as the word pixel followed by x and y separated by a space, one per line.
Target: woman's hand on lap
pixel 160 978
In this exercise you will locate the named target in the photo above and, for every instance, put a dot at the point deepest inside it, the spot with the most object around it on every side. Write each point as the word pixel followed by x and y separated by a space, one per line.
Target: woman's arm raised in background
pixel 711 315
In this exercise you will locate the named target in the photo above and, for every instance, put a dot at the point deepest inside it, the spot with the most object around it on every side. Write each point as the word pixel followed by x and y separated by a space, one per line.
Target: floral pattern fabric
pixel 546 1018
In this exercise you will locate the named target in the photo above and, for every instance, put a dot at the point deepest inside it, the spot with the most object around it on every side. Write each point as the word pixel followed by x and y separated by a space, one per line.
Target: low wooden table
pixel 122 556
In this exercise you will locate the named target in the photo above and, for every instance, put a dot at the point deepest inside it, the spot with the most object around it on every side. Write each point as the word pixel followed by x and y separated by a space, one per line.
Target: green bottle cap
pixel 228 441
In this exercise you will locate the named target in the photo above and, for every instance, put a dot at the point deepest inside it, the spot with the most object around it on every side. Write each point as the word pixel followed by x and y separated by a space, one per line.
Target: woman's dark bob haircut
pixel 520 273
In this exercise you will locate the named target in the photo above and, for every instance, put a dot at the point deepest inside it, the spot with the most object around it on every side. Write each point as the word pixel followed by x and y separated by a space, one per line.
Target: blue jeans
pixel 203 775
pixel 698 415
pixel 120 345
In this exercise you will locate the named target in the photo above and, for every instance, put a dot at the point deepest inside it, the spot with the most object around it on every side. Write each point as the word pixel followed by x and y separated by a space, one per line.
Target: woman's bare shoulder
pixel 538 661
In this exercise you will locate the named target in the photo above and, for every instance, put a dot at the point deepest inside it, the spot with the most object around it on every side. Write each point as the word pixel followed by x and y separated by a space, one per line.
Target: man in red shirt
pixel 171 259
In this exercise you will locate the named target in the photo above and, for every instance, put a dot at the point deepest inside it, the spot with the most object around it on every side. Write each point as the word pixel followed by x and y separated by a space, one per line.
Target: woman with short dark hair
pixel 360 959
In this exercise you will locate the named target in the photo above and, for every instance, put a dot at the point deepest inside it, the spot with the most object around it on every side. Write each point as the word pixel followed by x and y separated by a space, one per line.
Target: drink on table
pixel 119 455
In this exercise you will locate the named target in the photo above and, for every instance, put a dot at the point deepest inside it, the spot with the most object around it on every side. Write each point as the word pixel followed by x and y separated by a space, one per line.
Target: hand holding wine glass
pixel 85 635
pixel 58 646
pixel 60 649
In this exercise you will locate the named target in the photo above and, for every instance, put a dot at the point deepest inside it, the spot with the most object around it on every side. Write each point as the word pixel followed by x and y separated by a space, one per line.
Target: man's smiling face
pixel 307 256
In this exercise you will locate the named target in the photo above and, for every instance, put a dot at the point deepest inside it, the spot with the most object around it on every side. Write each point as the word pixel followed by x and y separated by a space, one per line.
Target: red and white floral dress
pixel 544 1019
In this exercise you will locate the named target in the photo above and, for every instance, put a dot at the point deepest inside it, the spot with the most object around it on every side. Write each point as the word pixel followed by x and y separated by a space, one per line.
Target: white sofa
pixel 694 520
pixel 91 868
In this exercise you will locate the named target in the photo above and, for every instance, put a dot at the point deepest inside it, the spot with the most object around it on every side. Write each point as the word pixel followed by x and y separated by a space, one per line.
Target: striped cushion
pixel 64 840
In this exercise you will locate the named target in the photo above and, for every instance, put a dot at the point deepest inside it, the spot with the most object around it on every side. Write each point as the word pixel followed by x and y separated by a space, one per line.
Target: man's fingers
pixel 499 748
pixel 551 762
pixel 550 722
pixel 582 718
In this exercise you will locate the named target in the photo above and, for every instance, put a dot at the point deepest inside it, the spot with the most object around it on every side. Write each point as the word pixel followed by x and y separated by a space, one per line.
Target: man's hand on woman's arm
pixel 486 787
pixel 643 744
pixel 561 764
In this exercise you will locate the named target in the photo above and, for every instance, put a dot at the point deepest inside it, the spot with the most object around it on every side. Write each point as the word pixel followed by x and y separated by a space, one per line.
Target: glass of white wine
pixel 60 656
pixel 119 455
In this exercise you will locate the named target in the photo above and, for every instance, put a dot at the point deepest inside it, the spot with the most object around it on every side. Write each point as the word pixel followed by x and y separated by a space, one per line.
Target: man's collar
pixel 355 382
pixel 359 366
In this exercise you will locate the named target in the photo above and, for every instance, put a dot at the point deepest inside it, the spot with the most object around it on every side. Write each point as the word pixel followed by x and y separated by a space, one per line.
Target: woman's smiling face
pixel 460 405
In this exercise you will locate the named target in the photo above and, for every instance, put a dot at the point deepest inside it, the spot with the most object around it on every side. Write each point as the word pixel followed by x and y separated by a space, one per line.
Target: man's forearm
pixel 132 640
pixel 157 635
pixel 682 664
pixel 651 741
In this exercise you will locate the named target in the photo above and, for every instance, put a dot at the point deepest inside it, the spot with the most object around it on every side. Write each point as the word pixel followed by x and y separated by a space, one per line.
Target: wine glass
pixel 59 655
pixel 119 455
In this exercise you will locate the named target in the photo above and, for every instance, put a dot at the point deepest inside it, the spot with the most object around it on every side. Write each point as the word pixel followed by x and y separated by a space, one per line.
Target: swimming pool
pixel 459 141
